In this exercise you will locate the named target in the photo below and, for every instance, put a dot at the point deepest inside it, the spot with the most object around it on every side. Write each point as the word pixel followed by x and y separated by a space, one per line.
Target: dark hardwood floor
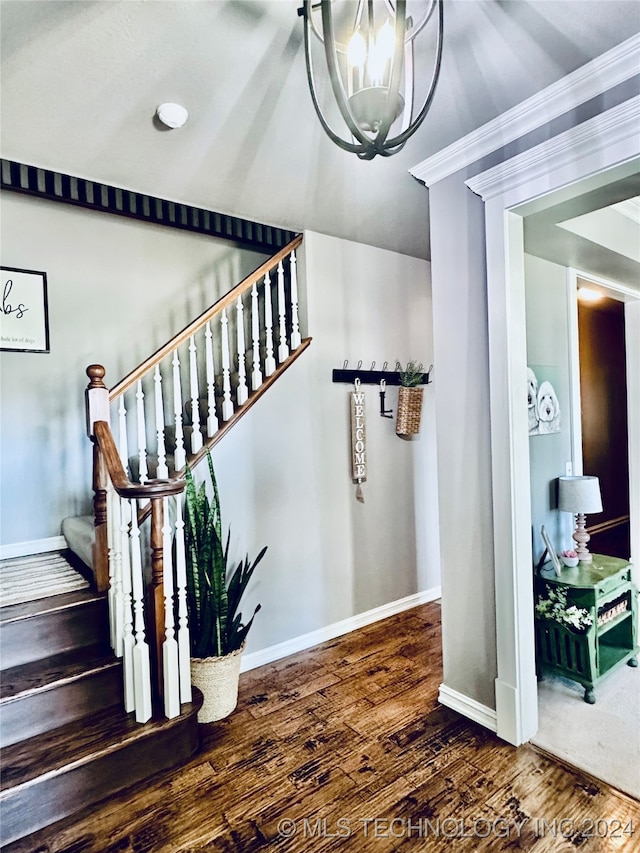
pixel 344 747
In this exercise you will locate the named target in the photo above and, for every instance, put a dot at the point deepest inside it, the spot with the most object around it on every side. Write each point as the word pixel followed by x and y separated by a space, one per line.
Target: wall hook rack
pixel 370 376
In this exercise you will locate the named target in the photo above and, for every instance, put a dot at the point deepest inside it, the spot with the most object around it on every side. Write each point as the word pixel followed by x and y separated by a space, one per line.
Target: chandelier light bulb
pixel 357 50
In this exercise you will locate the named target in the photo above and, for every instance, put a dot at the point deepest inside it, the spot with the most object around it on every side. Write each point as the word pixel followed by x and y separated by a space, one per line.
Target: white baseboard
pixel 35 546
pixel 468 707
pixel 337 629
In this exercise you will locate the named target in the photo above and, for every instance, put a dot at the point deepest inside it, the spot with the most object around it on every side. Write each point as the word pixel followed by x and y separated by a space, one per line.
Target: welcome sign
pixel 24 320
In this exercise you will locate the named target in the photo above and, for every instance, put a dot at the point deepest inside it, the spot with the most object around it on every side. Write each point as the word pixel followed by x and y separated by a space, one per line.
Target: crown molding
pixel 615 125
pixel 602 73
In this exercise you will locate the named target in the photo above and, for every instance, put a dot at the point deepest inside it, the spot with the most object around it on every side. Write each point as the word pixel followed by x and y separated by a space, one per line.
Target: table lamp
pixel 580 496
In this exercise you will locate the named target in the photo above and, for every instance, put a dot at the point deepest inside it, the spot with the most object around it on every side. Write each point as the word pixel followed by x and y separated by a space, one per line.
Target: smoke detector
pixel 172 115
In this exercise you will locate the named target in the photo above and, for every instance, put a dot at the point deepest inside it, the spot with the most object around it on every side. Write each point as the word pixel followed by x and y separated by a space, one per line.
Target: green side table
pixel 604 588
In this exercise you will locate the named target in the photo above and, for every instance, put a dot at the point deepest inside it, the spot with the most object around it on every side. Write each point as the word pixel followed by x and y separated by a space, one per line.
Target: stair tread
pixel 80 742
pixel 27 678
pixel 64 601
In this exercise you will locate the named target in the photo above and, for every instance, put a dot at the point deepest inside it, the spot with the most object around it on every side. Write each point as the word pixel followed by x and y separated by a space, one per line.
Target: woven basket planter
pixel 217 678
pixel 409 410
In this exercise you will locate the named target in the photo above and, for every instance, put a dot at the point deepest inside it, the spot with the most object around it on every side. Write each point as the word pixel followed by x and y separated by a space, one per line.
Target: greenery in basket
pixel 555 607
pixel 411 375
pixel 213 594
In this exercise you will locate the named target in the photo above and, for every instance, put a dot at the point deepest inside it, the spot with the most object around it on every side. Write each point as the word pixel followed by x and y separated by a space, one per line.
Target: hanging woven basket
pixel 409 410
pixel 217 678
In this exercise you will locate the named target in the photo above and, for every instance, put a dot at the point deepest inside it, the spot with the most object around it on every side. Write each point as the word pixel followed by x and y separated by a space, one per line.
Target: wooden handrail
pixel 224 301
pixel 122 484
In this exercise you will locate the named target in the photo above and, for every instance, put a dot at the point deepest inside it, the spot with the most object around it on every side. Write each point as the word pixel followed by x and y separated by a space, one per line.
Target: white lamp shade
pixel 579 495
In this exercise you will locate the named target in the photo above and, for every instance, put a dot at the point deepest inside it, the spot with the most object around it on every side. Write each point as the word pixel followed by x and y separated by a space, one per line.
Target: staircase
pixel 66 739
pixel 96 692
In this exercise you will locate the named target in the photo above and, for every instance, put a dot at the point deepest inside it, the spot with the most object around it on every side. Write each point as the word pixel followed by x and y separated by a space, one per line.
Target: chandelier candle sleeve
pixel 358 439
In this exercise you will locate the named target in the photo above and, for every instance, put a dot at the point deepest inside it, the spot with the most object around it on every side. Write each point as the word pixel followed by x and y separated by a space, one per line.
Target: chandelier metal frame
pixel 367 144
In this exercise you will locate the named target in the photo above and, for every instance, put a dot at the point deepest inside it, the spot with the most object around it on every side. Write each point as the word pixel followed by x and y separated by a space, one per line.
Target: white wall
pixel 118 289
pixel 284 473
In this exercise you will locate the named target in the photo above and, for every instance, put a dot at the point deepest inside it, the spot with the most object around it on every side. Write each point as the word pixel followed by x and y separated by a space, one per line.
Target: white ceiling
pixel 81 82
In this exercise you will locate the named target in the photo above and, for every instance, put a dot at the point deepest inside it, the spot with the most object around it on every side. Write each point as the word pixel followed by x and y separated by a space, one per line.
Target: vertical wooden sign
pixel 358 440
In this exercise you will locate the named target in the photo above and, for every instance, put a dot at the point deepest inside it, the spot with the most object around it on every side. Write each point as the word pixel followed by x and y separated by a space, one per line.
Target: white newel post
pixel 242 393
pixel 283 349
pixel 180 454
pixel 170 681
pixel 269 362
pixel 142 434
pixel 212 420
pixel 162 470
pixel 227 404
pixel 296 340
pixel 256 373
pixel 196 435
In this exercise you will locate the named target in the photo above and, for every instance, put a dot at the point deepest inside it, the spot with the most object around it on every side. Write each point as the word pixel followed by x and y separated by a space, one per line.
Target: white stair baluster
pixel 256 373
pixel 141 661
pixel 184 650
pixel 180 455
pixel 196 435
pixel 296 340
pixel 123 444
pixel 212 420
pixel 170 681
pixel 269 362
pixel 142 434
pixel 283 349
pixel 111 592
pixel 128 641
pixel 162 470
pixel 242 393
pixel 116 600
pixel 227 404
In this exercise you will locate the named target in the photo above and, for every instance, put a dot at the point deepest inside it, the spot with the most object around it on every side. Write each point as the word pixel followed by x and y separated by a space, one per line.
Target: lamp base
pixel 581 538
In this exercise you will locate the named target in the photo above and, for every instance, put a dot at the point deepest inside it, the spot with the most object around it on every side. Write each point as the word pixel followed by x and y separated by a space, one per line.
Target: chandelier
pixel 371 68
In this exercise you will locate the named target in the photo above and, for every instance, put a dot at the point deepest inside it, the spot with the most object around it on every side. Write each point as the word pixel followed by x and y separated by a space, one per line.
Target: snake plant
pixel 213 596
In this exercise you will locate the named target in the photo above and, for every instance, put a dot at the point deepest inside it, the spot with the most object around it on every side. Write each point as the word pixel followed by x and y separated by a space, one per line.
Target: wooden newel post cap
pixel 96 373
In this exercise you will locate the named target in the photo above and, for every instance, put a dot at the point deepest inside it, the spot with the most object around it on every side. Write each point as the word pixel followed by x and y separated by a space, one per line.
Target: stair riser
pixel 38 712
pixel 47 800
pixel 48 633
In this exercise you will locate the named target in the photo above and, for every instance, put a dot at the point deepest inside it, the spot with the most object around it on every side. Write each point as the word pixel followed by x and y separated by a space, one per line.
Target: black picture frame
pixel 24 314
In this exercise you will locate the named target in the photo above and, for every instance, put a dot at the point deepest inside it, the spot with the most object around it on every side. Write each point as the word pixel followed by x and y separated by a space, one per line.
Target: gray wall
pixel 548 348
pixel 118 290
pixel 461 353
pixel 463 439
pixel 284 470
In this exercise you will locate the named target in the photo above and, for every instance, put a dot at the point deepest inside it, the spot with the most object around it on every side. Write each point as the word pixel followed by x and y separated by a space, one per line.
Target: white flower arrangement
pixel 555 607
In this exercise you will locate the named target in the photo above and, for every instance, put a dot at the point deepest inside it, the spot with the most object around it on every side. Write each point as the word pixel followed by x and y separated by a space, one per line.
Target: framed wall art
pixel 24 318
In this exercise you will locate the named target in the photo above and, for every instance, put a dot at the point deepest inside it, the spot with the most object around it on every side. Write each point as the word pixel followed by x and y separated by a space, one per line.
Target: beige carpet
pixel 38 576
pixel 602 739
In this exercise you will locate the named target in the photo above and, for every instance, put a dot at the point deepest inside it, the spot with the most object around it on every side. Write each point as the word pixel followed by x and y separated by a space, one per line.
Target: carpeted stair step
pixel 60 688
pixel 60 772
pixel 38 629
